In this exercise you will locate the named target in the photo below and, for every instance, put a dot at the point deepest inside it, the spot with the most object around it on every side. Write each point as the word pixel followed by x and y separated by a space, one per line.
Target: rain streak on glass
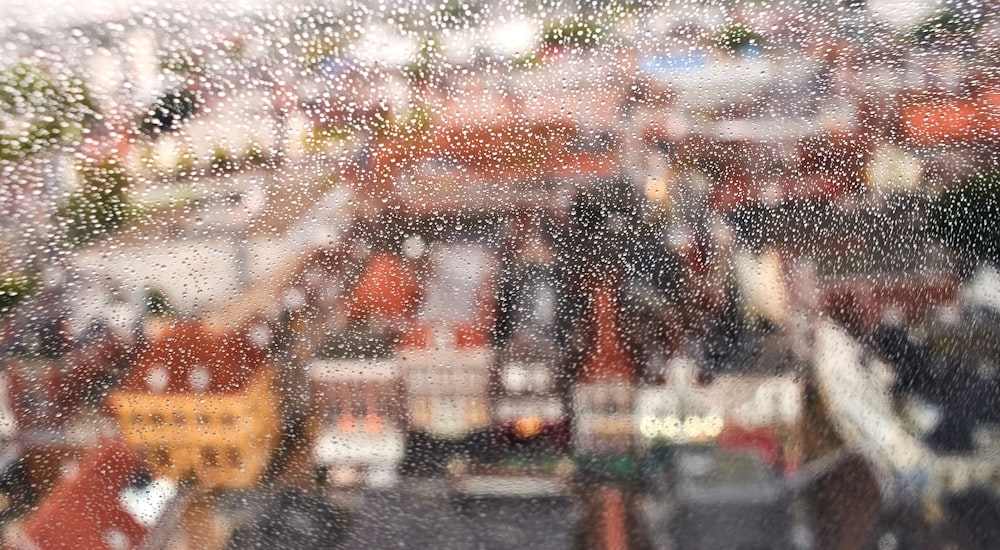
pixel 593 274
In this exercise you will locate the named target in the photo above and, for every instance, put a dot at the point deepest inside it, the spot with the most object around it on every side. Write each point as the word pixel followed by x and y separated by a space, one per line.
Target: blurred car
pixel 360 408
pixel 542 476
pixel 527 405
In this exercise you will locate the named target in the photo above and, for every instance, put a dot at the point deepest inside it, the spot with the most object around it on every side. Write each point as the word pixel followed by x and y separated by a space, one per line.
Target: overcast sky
pixel 59 12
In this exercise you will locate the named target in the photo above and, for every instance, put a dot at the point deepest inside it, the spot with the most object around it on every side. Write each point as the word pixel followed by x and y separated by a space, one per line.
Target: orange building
pixel 608 360
pixel 943 122
pixel 605 394
pixel 387 292
pixel 199 403
pixel 953 120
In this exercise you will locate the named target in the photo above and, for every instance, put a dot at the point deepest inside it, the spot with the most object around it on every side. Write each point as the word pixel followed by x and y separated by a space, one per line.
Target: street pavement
pixel 420 514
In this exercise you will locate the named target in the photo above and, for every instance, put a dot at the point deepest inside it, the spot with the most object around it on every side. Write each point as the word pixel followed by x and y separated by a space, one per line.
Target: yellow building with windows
pixel 201 406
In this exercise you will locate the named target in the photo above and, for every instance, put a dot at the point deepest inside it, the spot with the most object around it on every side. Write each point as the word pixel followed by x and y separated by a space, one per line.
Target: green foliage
pixel 222 159
pixel 324 138
pixel 635 6
pixel 318 49
pixel 322 36
pixel 234 50
pixel 418 71
pixel 15 287
pixel 256 154
pixel 37 111
pixel 527 61
pixel 182 62
pixel 416 122
pixel 738 38
pixel 455 13
pixel 421 68
pixel 576 33
pixel 100 206
pixel 945 22
pixel 965 218
pixel 157 304
pixel 168 112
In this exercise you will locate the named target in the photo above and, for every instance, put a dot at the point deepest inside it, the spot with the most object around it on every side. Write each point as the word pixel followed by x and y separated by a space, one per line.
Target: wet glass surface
pixel 539 274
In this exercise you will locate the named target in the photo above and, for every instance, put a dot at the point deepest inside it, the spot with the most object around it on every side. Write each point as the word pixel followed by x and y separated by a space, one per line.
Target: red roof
pixel 388 290
pixel 183 354
pixel 84 510
pixel 941 122
pixel 953 120
pixel 864 302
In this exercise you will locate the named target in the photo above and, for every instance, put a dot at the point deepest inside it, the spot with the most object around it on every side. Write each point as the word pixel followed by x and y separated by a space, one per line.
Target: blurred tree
pixel 739 39
pixel 169 111
pixel 421 69
pixel 965 218
pixel 182 62
pixel 100 206
pixel 575 33
pixel 38 111
pixel 457 13
pixel 950 23
pixel 14 287
pixel 223 159
pixel 322 36
pixel 157 304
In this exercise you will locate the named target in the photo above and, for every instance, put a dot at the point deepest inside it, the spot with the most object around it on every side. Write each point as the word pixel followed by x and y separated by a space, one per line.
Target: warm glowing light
pixel 693 427
pixel 650 427
pixel 373 424
pixel 712 425
pixel 347 424
pixel 656 190
pixel 528 427
pixel 671 426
